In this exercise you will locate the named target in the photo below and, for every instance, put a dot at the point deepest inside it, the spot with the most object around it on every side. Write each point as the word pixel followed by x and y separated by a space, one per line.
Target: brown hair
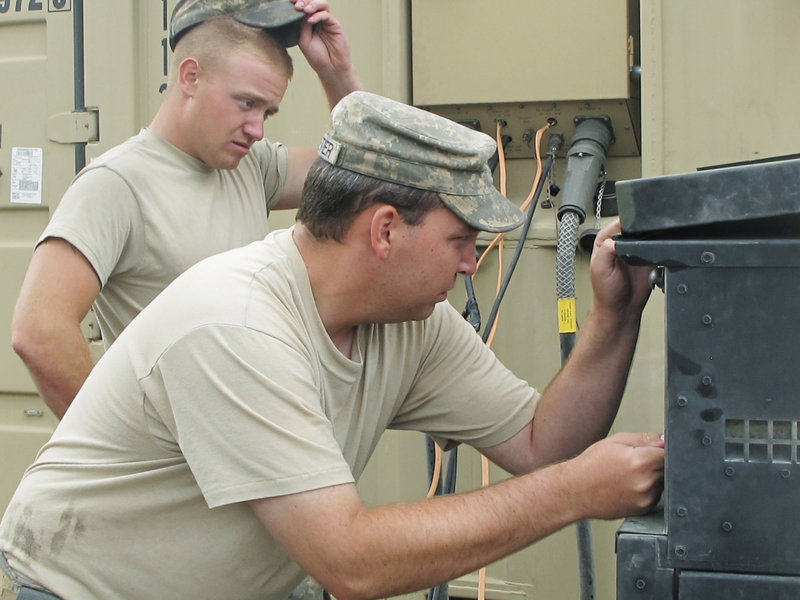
pixel 333 197
pixel 211 40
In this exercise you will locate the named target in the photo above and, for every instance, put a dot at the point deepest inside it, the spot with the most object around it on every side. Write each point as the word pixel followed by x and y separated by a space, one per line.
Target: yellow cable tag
pixel 567 318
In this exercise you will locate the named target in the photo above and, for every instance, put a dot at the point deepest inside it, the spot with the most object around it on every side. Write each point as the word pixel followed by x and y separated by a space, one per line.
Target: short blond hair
pixel 218 37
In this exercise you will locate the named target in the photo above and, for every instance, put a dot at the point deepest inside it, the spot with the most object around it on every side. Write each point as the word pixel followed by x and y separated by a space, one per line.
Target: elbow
pixel 22 342
pixel 353 588
pixel 356 582
pixel 31 340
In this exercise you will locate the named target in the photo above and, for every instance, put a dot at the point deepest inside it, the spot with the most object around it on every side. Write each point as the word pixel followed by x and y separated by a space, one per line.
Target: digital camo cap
pixel 395 142
pixel 279 17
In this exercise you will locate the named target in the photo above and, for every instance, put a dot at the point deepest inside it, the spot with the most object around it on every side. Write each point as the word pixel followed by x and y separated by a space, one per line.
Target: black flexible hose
pixel 471 312
pixel 447 485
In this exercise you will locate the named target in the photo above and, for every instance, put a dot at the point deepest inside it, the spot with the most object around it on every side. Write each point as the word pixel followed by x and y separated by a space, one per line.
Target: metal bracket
pixel 74 127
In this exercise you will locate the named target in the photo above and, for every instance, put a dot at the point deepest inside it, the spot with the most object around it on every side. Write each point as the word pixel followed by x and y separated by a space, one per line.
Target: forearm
pixel 432 546
pixel 359 553
pixel 380 552
pixel 58 362
pixel 580 404
pixel 338 83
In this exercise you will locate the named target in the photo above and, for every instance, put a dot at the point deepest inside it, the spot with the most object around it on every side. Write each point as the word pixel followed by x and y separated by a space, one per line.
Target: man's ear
pixel 188 75
pixel 384 230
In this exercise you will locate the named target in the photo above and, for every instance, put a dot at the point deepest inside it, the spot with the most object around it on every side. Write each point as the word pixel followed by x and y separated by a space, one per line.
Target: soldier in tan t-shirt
pixel 213 452
pixel 199 180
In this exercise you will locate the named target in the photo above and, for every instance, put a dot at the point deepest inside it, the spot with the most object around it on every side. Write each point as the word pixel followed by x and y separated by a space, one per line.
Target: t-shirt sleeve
pixel 245 411
pixel 96 215
pixel 273 160
pixel 463 393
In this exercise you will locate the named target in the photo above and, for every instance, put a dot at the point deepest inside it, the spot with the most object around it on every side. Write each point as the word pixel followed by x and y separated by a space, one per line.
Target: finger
pixel 607 232
pixel 311 7
pixel 640 439
pixel 652 455
pixel 322 16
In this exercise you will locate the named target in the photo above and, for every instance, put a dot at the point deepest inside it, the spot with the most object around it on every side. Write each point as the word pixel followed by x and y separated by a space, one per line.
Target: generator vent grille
pixel 761 441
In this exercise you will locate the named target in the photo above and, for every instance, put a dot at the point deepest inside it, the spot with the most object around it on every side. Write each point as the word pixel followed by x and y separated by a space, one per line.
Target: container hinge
pixel 74 127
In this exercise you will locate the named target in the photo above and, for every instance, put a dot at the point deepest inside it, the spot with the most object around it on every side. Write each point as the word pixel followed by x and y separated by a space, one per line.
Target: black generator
pixel 724 245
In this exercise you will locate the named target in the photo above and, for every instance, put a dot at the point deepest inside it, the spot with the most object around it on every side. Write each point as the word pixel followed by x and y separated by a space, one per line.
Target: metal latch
pixel 74 127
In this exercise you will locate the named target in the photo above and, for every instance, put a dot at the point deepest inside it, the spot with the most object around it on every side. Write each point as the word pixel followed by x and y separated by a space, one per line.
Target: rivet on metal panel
pixel 641 583
pixel 706 441
pixel 682 288
pixel 786 473
pixel 682 401
pixel 707 319
pixel 730 471
pixel 681 511
pixel 707 258
pixel 681 552
pixel 727 526
pixel 706 380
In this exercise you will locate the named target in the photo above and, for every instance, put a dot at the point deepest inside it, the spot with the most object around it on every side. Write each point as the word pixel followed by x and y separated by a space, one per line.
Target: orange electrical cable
pixel 496 242
pixel 437 470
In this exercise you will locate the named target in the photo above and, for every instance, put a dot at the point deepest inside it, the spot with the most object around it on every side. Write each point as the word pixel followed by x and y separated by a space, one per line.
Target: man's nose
pixel 469 262
pixel 254 128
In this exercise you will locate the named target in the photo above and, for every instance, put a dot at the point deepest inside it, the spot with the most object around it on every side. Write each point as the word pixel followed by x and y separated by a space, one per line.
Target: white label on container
pixel 26 175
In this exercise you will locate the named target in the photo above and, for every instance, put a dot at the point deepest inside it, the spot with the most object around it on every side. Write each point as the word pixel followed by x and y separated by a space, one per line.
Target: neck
pixel 166 123
pixel 335 284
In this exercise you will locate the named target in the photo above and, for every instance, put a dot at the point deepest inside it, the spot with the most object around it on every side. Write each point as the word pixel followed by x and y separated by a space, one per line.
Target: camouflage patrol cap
pixel 394 142
pixel 278 16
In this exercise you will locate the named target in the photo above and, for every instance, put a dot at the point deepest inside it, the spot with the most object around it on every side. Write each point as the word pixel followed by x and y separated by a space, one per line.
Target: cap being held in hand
pixel 278 16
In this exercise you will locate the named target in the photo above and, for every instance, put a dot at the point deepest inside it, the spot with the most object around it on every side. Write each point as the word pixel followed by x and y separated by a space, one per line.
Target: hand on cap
pixel 325 46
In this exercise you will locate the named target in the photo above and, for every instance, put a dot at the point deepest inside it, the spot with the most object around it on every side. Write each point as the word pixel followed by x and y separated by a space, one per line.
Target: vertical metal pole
pixel 79 74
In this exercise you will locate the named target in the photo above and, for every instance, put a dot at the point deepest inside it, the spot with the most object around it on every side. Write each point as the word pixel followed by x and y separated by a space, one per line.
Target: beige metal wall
pixel 719 84
pixel 36 86
pixel 124 69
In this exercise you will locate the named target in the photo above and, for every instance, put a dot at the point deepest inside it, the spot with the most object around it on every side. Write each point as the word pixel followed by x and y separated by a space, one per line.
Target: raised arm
pixel 325 46
pixel 357 552
pixel 57 293
pixel 579 405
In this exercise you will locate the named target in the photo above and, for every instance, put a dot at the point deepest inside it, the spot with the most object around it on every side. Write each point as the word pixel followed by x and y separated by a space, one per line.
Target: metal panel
pixel 488 62
pixel 464 51
pixel 733 586
pixel 719 80
pixel 731 411
pixel 734 196
pixel 641 552
pixel 38 112
pixel 36 67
